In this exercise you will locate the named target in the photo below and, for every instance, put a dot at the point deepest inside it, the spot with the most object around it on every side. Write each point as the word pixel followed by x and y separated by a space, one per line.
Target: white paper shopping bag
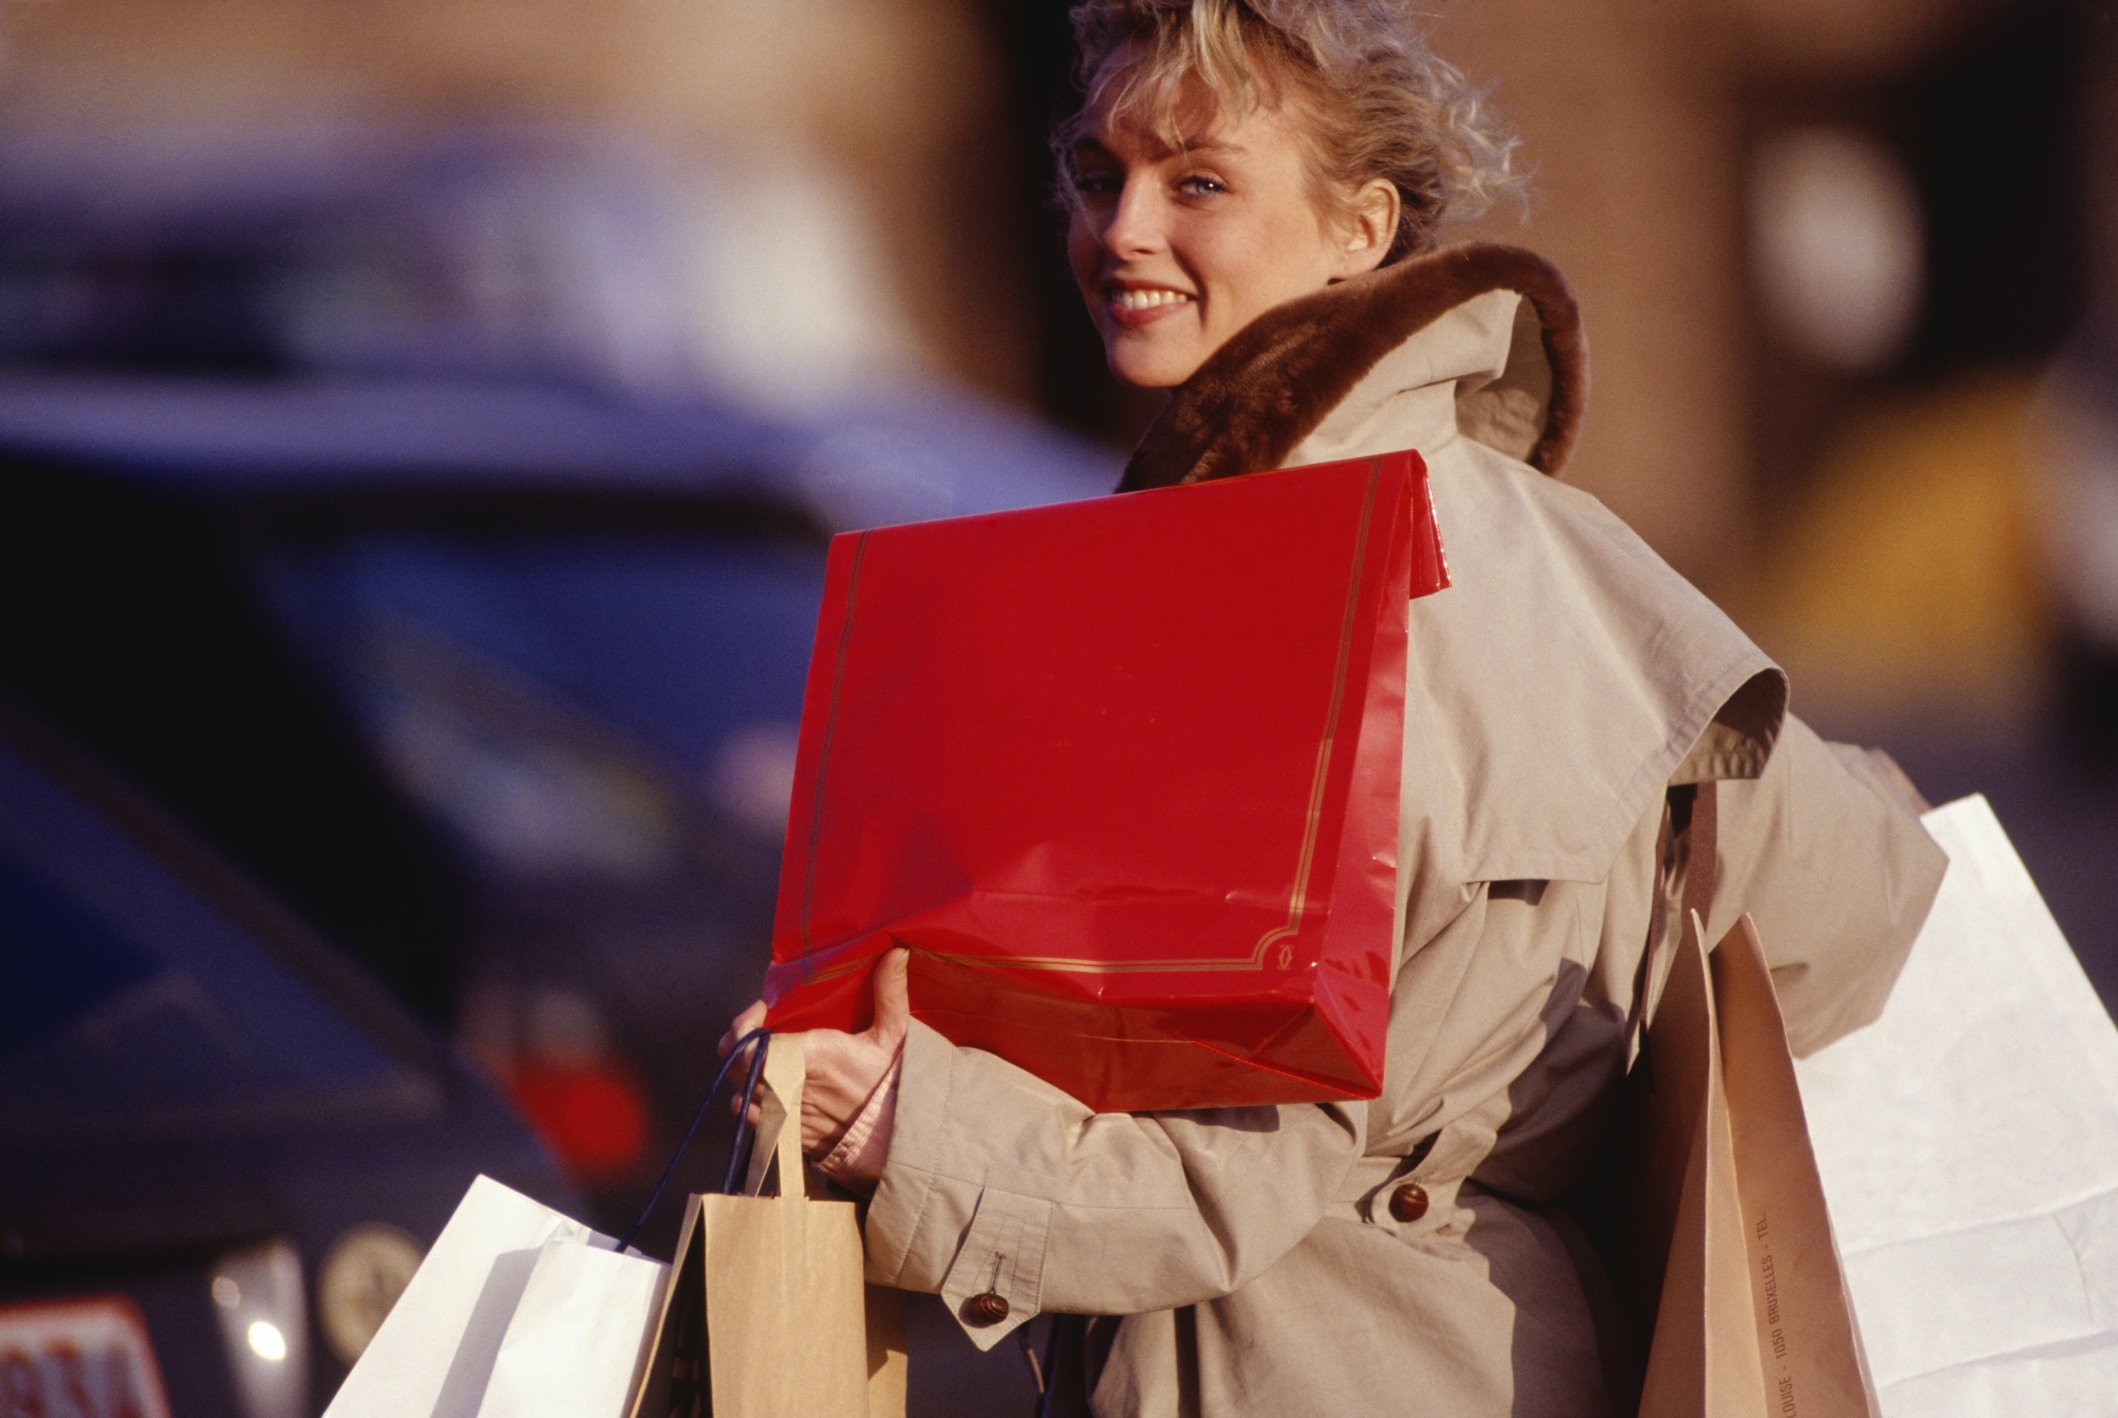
pixel 574 1347
pixel 435 1354
pixel 1969 1143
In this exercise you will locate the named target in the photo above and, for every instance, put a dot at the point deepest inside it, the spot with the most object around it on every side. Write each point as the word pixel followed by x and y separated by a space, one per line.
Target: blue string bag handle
pixel 745 1134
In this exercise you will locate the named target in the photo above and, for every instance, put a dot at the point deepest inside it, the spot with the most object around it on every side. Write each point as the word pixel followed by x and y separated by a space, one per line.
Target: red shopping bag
pixel 1123 775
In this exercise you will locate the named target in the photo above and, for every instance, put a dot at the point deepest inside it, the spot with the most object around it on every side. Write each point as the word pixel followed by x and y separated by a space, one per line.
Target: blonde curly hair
pixel 1378 101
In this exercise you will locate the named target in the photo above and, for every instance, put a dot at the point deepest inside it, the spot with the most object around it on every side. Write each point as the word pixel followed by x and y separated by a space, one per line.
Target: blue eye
pixel 1197 186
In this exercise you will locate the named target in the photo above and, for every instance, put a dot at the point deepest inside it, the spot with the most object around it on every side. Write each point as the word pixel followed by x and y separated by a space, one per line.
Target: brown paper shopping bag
pixel 1808 1340
pixel 1724 1248
pixel 766 1314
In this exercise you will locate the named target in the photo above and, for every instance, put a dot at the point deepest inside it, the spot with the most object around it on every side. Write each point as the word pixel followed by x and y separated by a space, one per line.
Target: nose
pixel 1134 225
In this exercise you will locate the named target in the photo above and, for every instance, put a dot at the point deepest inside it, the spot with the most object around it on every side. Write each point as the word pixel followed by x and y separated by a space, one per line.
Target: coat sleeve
pixel 998 1182
pixel 1830 861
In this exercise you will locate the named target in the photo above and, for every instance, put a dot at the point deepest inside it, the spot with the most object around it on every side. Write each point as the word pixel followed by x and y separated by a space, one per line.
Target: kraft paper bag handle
pixel 780 1117
pixel 786 1074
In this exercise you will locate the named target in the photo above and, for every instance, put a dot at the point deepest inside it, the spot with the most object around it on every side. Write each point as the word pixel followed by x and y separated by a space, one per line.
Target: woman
pixel 1253 190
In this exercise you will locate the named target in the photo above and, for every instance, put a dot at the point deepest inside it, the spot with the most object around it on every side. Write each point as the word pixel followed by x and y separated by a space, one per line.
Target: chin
pixel 1142 370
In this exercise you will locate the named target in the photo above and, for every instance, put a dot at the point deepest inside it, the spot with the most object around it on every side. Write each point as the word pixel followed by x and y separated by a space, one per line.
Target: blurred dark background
pixel 422 422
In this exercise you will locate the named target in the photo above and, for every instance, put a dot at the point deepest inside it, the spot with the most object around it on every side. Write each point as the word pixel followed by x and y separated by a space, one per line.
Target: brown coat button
pixel 987 1308
pixel 1409 1202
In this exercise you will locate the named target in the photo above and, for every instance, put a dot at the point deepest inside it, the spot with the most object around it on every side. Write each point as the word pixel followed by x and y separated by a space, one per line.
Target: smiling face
pixel 1177 248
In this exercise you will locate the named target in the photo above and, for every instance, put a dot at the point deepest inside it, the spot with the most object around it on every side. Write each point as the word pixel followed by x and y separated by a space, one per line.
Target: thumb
pixel 893 1001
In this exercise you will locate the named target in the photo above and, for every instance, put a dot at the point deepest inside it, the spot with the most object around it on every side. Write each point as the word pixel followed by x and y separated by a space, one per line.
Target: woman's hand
pixel 845 1070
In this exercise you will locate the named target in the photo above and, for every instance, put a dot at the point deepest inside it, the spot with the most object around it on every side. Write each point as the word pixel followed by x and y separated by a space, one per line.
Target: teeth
pixel 1146 299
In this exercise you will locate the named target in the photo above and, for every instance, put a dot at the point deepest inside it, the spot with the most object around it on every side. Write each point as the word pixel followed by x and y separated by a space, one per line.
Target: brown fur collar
pixel 1269 387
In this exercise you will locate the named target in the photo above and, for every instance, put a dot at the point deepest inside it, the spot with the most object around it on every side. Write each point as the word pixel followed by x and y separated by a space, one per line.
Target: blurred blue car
pixel 222 1151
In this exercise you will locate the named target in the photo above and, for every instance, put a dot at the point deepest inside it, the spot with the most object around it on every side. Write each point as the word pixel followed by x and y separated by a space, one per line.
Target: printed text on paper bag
pixel 1769 1292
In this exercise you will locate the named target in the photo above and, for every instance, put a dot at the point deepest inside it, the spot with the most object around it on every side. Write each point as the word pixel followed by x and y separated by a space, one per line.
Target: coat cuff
pixel 953 1236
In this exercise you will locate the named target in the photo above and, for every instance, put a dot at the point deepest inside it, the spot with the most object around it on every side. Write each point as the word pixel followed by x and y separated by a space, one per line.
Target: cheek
pixel 1245 273
pixel 1279 262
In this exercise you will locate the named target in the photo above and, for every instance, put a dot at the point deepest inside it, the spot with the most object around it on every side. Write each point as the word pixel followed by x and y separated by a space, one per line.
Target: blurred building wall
pixel 874 118
pixel 1633 120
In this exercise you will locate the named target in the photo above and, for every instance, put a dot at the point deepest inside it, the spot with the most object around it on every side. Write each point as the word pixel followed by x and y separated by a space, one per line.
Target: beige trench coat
pixel 1556 691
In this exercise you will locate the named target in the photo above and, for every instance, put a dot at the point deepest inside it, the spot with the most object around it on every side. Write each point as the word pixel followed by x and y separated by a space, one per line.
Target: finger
pixel 893 1000
pixel 748 1020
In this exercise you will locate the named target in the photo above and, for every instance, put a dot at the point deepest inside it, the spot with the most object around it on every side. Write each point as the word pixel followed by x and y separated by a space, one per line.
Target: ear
pixel 1371 225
